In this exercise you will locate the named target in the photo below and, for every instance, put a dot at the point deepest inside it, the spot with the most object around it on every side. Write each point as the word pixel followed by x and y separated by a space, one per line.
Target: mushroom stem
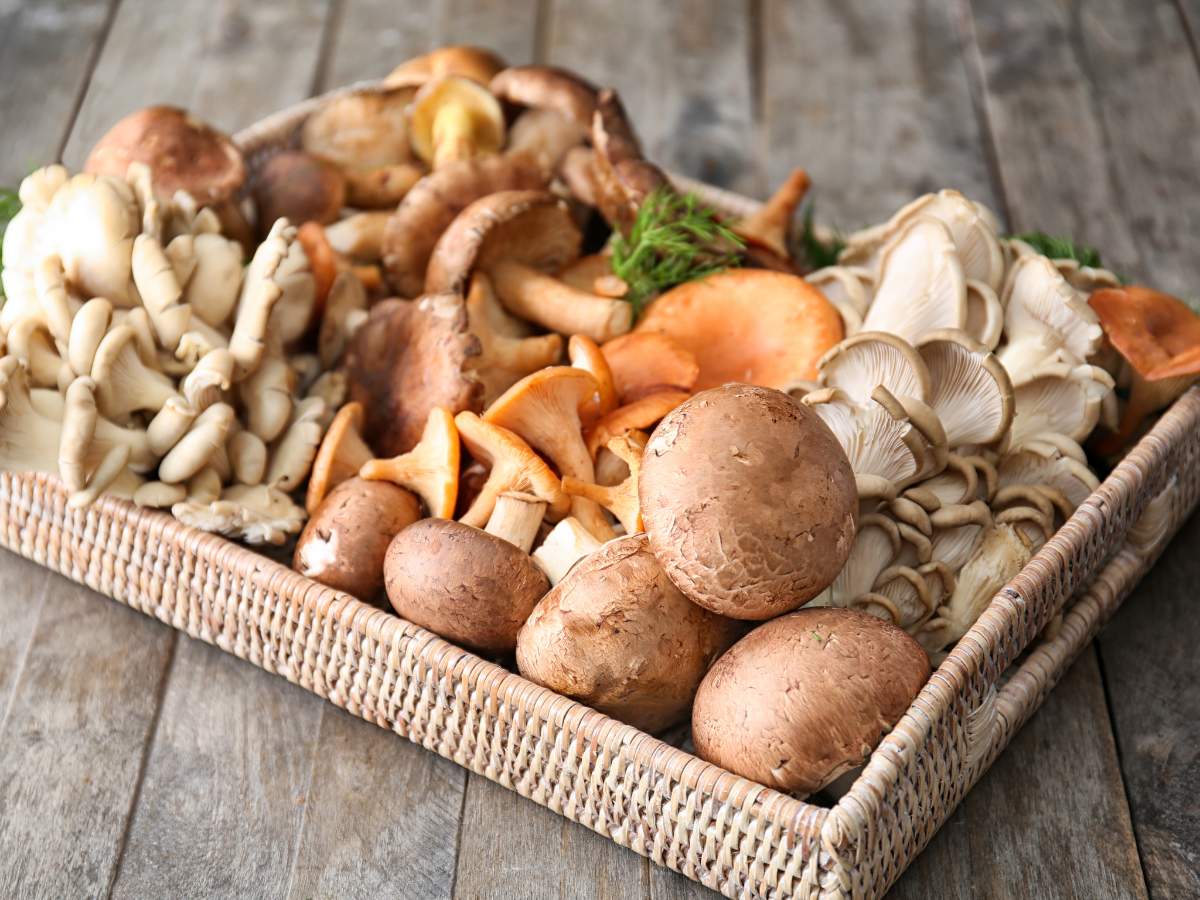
pixel 566 544
pixel 430 469
pixel 771 224
pixel 359 236
pixel 516 518
pixel 622 499
pixel 533 295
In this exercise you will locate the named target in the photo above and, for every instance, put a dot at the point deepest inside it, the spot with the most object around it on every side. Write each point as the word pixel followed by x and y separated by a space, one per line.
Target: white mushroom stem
pixel 516 518
pixel 260 292
pixel 160 291
pixel 566 544
pixel 359 236
pixel 195 450
pixel 87 331
pixel 58 307
pixel 170 424
pixel 538 297
pixel 78 430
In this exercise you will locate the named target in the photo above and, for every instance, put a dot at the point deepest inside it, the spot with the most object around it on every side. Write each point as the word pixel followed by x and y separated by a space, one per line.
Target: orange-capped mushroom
pixel 748 325
pixel 585 354
pixel 342 452
pixel 512 466
pixel 767 232
pixel 640 414
pixel 644 362
pixel 429 470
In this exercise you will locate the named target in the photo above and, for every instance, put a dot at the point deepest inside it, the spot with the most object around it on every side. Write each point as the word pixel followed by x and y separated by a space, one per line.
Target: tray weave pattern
pixel 735 836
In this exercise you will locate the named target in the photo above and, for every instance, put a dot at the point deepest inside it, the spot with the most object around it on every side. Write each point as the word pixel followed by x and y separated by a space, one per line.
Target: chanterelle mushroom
pixel 748 500
pixel 512 466
pixel 508 352
pixel 341 454
pixel 410 357
pixel 429 470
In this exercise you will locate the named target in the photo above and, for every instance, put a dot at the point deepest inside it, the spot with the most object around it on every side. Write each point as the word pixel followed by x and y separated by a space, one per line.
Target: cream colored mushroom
pixel 957 532
pixel 160 291
pixel 292 312
pixel 876 543
pixel 266 397
pixel 256 514
pixel 247 457
pixel 170 424
pixel 971 394
pixel 848 288
pixel 57 306
pixel 94 220
pixel 1061 398
pixel 159 494
pixel 88 329
pixel 260 292
pixel 212 291
pixel 922 286
pixel 1055 465
pixel 985 314
pixel 292 457
pixel 198 446
pixel 566 544
pixel 209 379
pixel 30 341
pixel 124 383
pixel 345 311
pixel 861 363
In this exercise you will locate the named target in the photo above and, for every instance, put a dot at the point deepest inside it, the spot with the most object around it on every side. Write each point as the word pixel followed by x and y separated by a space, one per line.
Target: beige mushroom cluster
pixel 969 379
pixel 144 360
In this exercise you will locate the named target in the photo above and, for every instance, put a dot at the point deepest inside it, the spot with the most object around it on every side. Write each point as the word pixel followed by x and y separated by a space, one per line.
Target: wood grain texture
pixel 372 37
pixel 46 55
pixel 381 817
pixel 872 98
pixel 1151 670
pixel 72 747
pixel 683 72
pixel 23 586
pixel 226 782
pixel 1006 840
pixel 229 61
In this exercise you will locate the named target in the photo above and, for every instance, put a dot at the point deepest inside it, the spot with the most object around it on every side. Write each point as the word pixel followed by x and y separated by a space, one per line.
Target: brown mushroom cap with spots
pixel 406 359
pixel 749 501
pixel 804 698
pixel 344 543
pixel 548 87
pixel 616 634
pixel 183 154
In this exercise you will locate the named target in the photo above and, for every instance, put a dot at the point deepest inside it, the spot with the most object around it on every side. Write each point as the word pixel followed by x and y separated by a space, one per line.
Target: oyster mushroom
pixel 261 291
pixel 1039 462
pixel 292 456
pixel 408 358
pixel 256 514
pixel 876 543
pixel 729 463
pixel 429 470
pixel 495 584
pixel 957 532
pixel 196 448
pixel 93 221
pixel 544 410
pixel 749 325
pixel 985 314
pixel 247 457
pixel 453 118
pixel 1045 320
pixel 213 288
pixel 512 467
pixel 344 544
pixel 124 383
pixel 433 203
pixel 30 340
pixel 848 288
pixel 922 286
pixel 859 364
pixel 1060 398
pixel 341 454
pixel 266 396
pixel 971 392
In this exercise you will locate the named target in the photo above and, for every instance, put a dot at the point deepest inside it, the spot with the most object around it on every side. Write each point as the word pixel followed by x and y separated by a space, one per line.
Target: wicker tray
pixel 733 835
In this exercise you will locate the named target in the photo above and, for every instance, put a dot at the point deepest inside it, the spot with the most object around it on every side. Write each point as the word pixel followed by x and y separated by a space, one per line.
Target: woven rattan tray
pixel 735 836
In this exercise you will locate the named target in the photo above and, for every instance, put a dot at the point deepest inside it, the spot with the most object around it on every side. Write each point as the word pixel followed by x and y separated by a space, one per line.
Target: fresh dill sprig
pixel 1061 247
pixel 10 205
pixel 818 252
pixel 674 238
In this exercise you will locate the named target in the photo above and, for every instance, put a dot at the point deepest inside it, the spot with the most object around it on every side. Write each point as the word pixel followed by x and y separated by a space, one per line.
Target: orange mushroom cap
pixel 430 469
pixel 341 454
pixel 585 354
pixel 639 414
pixel 1158 334
pixel 748 325
pixel 645 362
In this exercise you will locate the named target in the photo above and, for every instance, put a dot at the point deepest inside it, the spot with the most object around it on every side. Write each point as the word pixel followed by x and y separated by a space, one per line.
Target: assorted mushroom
pixel 549 408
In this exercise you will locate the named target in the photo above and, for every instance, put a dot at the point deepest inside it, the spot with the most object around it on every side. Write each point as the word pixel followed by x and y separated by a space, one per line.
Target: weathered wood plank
pixel 230 62
pixel 375 36
pixel 1112 87
pixel 1049 819
pixel 873 100
pixel 226 782
pixel 683 72
pixel 382 816
pixel 1151 670
pixel 46 55
pixel 23 586
pixel 72 746
pixel 511 847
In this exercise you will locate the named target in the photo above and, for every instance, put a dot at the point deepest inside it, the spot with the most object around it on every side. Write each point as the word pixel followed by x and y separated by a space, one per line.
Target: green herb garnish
pixel 819 252
pixel 675 238
pixel 10 205
pixel 1061 247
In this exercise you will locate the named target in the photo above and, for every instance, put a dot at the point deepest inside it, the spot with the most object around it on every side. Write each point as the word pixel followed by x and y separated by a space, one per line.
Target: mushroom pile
pixel 142 358
pixel 970 378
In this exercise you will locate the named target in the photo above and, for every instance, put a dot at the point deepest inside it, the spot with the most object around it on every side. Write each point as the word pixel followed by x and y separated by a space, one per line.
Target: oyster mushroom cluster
pixel 143 359
pixel 970 379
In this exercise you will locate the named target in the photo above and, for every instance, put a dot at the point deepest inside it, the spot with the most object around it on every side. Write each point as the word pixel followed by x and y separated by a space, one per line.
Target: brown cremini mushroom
pixel 801 700
pixel 473 587
pixel 299 187
pixel 749 501
pixel 344 543
pixel 616 634
pixel 429 470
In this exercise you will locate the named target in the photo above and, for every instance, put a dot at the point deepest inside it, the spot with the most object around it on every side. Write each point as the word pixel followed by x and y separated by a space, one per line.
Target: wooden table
pixel 138 763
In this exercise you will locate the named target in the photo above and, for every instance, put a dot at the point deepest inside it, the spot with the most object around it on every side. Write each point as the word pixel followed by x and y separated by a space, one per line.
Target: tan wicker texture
pixel 735 836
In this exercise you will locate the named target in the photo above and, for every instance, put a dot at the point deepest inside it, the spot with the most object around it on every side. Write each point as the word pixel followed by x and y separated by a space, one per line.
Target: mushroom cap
pixel 407 358
pixel 512 466
pixel 633 416
pixel 428 209
pixel 749 501
pixel 471 587
pixel 361 129
pixel 530 227
pixel 750 325
pixel 299 187
pixel 477 63
pixel 1154 331
pixel 801 700
pixel 473 100
pixel 344 543
pixel 183 154
pixel 861 363
pixel 646 362
pixel 340 456
pixel 972 394
pixel 616 634
pixel 548 87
